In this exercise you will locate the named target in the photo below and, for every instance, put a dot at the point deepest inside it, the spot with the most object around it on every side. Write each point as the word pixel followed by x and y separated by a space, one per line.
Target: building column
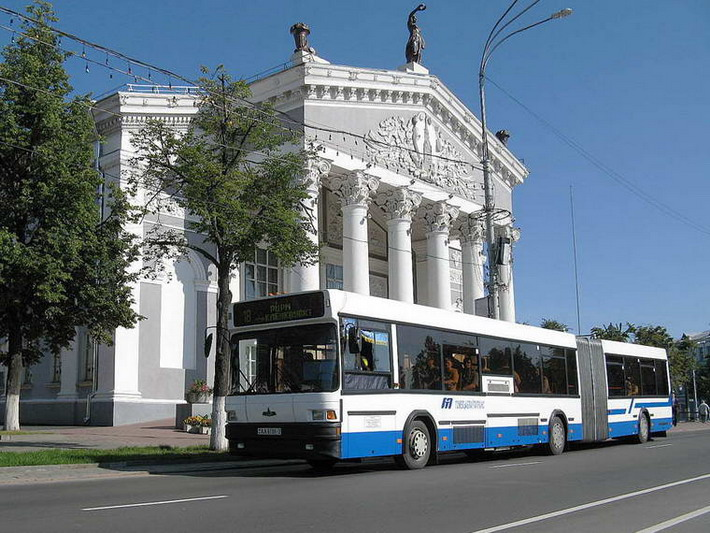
pixel 508 235
pixel 398 205
pixel 438 218
pixel 354 190
pixel 71 358
pixel 471 233
pixel 307 277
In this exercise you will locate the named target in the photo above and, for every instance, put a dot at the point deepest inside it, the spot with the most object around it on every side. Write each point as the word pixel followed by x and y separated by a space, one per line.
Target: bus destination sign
pixel 283 309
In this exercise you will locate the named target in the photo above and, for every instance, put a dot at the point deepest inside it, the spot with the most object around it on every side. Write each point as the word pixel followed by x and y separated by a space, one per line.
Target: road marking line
pixel 675 521
pixel 589 505
pixel 517 464
pixel 658 446
pixel 164 502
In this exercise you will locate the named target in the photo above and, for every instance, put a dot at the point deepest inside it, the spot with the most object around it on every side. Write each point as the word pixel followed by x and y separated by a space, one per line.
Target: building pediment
pixel 381 104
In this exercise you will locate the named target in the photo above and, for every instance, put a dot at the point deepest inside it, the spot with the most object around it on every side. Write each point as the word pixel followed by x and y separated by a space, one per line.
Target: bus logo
pixel 446 403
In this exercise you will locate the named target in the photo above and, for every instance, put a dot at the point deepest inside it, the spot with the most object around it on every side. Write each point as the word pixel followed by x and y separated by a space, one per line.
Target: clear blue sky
pixel 626 80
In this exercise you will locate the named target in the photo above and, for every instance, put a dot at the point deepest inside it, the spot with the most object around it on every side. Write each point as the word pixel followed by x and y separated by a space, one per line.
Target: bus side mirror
pixel 208 345
pixel 354 342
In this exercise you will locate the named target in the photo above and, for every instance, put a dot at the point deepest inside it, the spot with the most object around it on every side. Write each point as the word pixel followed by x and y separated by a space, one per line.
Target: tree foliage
pixel 613 332
pixel 61 265
pixel 549 323
pixel 235 170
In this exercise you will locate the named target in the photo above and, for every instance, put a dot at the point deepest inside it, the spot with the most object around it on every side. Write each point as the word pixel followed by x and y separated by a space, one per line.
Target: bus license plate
pixel 268 431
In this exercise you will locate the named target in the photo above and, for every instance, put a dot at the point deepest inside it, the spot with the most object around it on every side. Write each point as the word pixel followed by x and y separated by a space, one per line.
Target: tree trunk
pixel 14 381
pixel 218 438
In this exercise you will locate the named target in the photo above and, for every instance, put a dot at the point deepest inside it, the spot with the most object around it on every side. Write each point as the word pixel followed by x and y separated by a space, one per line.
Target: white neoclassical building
pixel 397 193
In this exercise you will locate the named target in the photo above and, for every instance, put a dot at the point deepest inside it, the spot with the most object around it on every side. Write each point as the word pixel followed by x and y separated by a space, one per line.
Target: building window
pixel 56 368
pixel 261 277
pixel 333 276
pixel 2 382
pixel 87 358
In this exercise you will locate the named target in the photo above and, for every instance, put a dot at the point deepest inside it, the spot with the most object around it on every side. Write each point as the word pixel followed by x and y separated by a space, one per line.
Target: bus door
pixel 369 411
pixel 593 389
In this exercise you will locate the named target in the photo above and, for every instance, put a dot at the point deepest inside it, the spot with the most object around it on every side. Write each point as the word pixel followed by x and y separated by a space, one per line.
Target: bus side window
pixel 615 375
pixel 496 356
pixel 526 364
pixel 648 377
pixel 572 386
pixel 369 368
pixel 661 377
pixel 419 358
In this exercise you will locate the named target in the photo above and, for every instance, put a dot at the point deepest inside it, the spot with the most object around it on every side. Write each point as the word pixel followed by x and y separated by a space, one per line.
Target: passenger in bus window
pixel 430 375
pixel 632 389
pixel 469 374
pixel 452 376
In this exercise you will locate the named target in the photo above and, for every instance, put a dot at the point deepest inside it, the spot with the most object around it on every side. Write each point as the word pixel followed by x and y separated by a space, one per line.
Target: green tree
pixel 681 361
pixel 235 169
pixel 613 332
pixel 61 264
pixel 549 323
pixel 653 336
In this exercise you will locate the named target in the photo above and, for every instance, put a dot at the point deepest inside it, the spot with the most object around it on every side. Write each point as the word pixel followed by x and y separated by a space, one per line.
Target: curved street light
pixel 492 43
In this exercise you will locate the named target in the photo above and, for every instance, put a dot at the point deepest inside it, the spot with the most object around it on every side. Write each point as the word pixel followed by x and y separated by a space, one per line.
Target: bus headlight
pixel 323 414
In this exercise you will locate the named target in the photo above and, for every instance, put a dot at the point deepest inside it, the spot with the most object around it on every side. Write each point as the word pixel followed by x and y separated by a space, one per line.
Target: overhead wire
pixel 608 171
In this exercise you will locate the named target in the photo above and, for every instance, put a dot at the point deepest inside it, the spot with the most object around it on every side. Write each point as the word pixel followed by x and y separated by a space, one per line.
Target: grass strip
pixel 135 455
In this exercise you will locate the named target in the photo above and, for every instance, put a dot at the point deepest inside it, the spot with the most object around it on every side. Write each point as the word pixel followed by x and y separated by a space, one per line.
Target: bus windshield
pixel 285 360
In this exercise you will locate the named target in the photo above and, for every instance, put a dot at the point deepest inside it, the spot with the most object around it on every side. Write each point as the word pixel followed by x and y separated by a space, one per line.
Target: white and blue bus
pixel 331 376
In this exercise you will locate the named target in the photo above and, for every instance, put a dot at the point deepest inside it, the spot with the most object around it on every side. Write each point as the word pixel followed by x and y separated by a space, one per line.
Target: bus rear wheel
pixel 558 437
pixel 644 429
pixel 417 446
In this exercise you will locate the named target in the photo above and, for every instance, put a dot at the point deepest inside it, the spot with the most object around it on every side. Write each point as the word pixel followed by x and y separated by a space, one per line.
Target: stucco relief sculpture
pixel 415 44
pixel 417 147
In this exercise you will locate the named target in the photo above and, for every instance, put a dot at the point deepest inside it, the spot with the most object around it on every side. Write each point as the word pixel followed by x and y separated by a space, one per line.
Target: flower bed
pixel 198 424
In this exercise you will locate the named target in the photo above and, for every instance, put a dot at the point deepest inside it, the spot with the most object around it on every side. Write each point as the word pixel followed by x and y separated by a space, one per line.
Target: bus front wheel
pixel 417 446
pixel 558 437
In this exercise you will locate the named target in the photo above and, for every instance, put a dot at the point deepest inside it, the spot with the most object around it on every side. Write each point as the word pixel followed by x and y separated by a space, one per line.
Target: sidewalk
pixel 157 433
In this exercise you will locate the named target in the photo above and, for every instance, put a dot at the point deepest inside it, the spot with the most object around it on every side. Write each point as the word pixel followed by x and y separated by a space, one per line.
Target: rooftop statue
pixel 415 44
pixel 300 32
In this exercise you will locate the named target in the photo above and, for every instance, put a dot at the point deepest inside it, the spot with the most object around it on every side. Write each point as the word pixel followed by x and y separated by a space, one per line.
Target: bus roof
pixel 633 350
pixel 400 312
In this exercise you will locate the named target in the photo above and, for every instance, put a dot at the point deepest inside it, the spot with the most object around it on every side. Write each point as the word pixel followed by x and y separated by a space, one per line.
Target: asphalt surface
pixel 611 487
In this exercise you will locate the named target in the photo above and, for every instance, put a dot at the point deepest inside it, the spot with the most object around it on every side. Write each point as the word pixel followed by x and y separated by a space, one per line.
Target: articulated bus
pixel 332 376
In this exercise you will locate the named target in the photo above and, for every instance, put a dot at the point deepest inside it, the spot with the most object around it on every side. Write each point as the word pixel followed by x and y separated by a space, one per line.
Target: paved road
pixel 614 487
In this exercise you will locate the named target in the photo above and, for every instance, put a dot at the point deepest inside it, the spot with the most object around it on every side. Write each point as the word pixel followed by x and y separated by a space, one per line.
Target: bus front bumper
pixel 294 440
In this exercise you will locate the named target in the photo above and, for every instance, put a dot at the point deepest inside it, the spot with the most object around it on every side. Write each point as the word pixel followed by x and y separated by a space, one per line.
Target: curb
pixel 14 475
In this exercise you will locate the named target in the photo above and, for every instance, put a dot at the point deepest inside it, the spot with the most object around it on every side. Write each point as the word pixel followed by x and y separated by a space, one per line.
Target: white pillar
pixel 471 235
pixel 505 273
pixel 354 191
pixel 307 277
pixel 438 218
pixel 70 369
pixel 398 205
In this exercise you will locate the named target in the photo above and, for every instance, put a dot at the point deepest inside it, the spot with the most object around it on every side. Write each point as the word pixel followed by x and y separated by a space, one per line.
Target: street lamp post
pixel 494 41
